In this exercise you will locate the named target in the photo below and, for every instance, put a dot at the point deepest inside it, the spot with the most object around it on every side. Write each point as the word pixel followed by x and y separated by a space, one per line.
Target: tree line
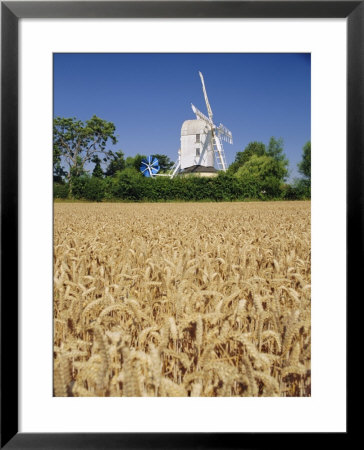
pixel 84 168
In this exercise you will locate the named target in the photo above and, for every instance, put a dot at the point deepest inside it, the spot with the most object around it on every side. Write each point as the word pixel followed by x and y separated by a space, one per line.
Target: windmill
pixel 201 143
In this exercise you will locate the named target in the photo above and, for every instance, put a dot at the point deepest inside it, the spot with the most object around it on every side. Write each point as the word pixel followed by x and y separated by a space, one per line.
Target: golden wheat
pixel 182 299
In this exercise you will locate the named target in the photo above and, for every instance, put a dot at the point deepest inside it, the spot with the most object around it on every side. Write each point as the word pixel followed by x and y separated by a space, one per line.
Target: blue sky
pixel 148 96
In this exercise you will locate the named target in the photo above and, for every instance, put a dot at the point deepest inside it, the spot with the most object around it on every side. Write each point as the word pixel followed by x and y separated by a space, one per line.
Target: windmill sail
pixel 225 134
pixel 209 110
pixel 217 134
pixel 200 115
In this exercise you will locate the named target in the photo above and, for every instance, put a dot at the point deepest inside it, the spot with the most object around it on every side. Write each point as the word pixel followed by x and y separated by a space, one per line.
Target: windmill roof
pixel 196 126
pixel 198 168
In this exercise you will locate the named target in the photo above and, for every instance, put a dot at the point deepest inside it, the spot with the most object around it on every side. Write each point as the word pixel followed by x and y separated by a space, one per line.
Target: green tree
pixel 304 167
pixel 275 150
pixel 58 170
pixel 134 162
pixel 253 148
pixel 302 186
pixel 77 170
pixel 266 172
pixel 117 163
pixel 76 142
pixel 165 162
pixel 97 172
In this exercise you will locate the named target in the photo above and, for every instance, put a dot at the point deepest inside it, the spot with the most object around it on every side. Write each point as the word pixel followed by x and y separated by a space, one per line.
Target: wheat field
pixel 189 299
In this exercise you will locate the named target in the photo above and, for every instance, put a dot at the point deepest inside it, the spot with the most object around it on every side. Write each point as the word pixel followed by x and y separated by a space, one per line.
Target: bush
pixel 94 189
pixel 78 186
pixel 303 188
pixel 289 192
pixel 130 185
pixel 60 190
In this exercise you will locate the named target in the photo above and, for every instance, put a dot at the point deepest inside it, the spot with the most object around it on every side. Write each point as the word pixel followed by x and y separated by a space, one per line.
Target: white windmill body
pixel 195 144
pixel 201 143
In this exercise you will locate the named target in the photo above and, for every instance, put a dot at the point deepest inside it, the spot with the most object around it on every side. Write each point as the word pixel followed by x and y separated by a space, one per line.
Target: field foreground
pixel 207 299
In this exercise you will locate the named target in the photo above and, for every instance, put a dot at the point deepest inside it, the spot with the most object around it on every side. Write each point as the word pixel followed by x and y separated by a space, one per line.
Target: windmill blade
pixel 224 133
pixel 209 110
pixel 201 115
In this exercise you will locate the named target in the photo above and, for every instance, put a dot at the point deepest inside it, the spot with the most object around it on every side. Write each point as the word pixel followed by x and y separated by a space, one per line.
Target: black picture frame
pixel 11 12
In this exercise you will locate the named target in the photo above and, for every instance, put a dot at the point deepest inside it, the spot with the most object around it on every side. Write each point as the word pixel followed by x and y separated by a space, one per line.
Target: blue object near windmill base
pixel 149 166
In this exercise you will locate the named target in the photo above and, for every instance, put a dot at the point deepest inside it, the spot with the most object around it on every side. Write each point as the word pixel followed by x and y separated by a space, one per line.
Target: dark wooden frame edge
pixel 11 12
